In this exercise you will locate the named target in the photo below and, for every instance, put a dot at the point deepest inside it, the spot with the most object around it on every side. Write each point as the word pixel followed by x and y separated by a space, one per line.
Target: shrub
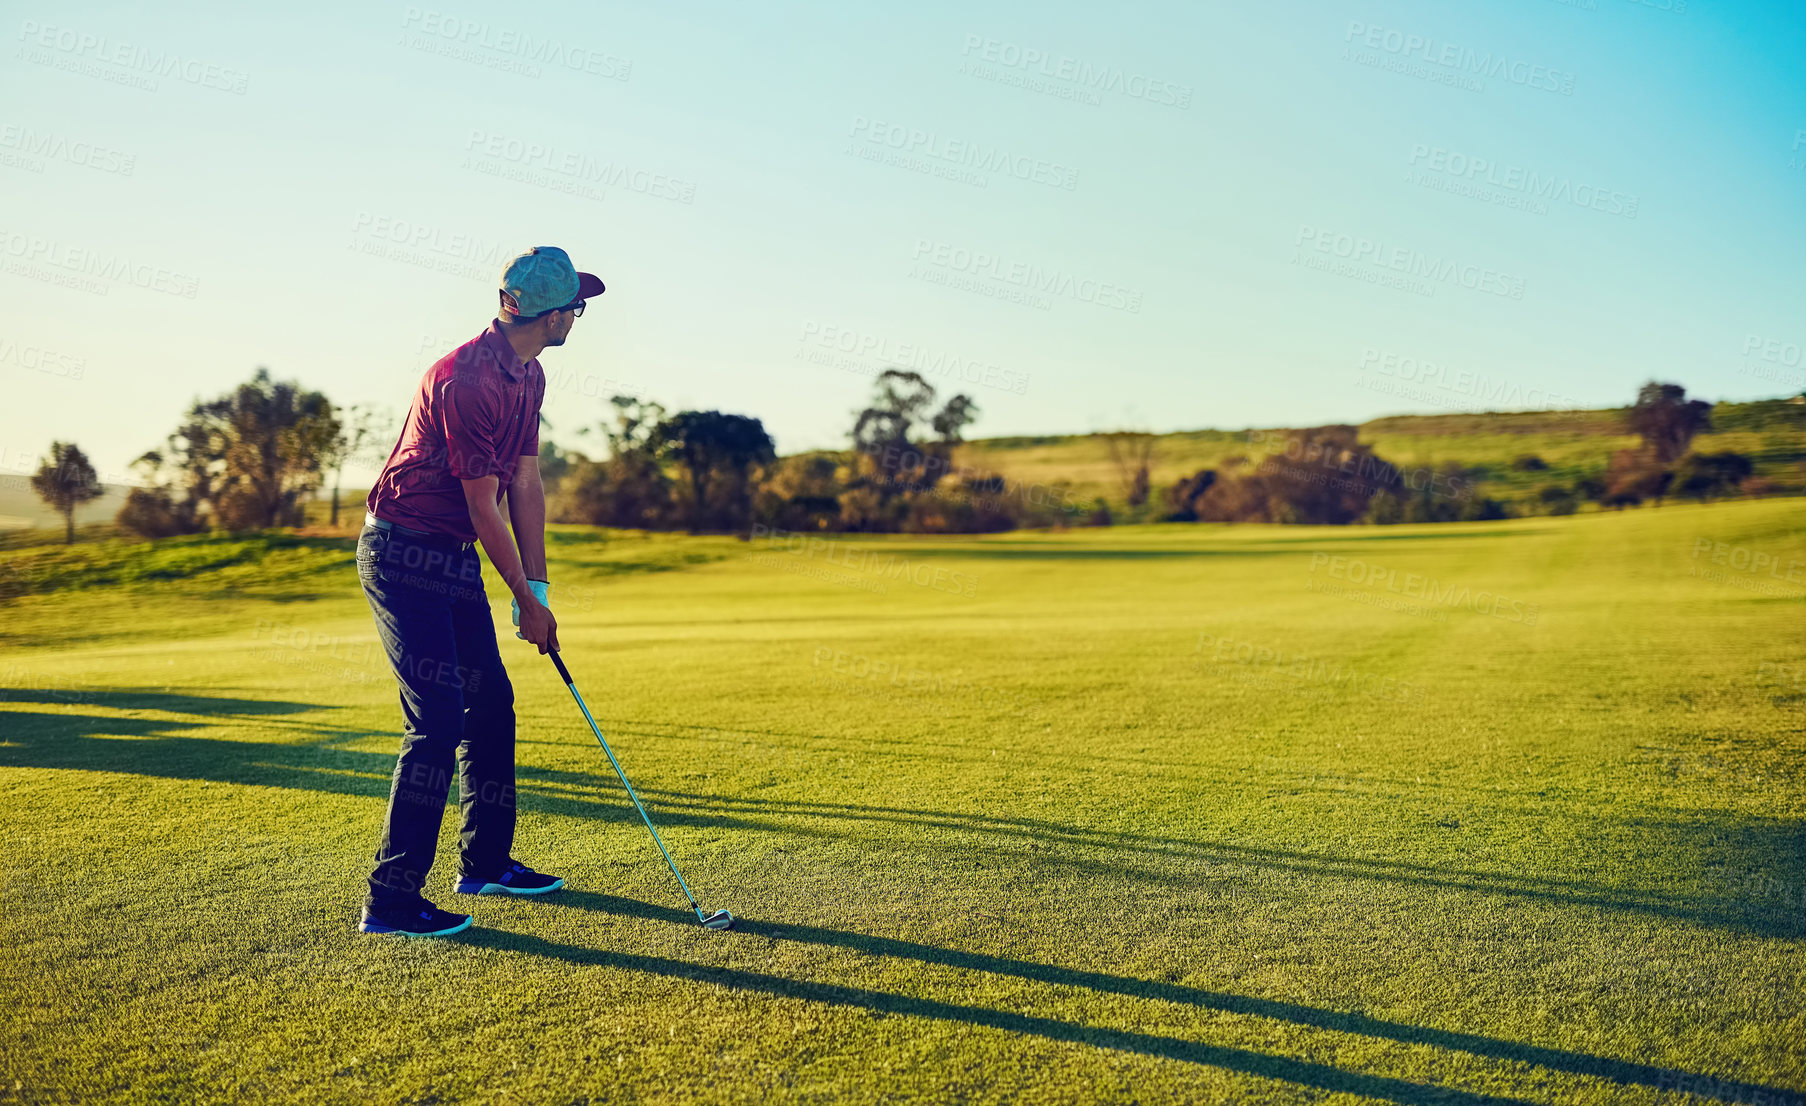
pixel 1703 476
pixel 630 491
pixel 1557 499
pixel 153 513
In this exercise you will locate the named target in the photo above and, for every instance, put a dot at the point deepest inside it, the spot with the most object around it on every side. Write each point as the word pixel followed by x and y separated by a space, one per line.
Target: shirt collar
pixel 512 366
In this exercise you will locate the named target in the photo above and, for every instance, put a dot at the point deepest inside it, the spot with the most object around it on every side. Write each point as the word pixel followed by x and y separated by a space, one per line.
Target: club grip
pixel 562 670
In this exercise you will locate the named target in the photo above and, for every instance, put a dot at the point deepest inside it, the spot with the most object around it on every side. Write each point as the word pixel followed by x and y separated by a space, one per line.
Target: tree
pixel 65 481
pixel 1182 498
pixel 553 462
pixel 801 492
pixel 1558 499
pixel 893 469
pixel 1320 475
pixel 1444 493
pixel 629 488
pixel 718 452
pixel 153 510
pixel 1667 420
pixel 1705 475
pixel 363 434
pixel 276 438
pixel 1633 476
pixel 1133 452
pixel 245 460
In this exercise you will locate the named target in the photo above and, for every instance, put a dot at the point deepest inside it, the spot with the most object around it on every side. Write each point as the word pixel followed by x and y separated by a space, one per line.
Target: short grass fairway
pixel 1452 814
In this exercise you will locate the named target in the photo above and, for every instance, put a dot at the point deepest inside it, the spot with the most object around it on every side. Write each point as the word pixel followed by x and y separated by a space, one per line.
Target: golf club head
pixel 720 919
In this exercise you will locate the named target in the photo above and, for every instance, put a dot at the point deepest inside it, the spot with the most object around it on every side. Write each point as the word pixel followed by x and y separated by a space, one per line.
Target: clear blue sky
pixel 1330 196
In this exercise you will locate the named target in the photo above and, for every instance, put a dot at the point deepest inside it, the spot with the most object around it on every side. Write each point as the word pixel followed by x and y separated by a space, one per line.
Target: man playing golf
pixel 471 437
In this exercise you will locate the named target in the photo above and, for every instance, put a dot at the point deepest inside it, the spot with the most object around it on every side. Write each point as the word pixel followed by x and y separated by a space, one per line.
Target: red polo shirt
pixel 475 414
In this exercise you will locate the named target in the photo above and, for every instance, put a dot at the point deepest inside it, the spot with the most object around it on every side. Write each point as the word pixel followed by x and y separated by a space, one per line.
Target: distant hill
pixel 1571 444
pixel 20 507
pixel 1568 444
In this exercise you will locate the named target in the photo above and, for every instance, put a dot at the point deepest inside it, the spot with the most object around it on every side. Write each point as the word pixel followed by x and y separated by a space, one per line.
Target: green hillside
pixel 1570 444
pixel 1573 444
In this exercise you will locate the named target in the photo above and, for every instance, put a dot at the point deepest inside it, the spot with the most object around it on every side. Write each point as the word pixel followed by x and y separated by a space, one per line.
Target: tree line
pixel 253 457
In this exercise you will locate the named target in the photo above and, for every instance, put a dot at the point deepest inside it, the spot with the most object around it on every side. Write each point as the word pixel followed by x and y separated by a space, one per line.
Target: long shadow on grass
pixel 163 748
pixel 1578 1063
pixel 1733 912
pixel 88 742
pixel 1301 1072
pixel 143 699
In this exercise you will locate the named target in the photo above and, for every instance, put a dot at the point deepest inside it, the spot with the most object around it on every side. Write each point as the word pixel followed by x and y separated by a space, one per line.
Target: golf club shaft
pixel 597 730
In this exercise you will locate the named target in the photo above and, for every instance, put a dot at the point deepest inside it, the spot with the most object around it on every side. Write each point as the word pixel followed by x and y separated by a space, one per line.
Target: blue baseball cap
pixel 543 280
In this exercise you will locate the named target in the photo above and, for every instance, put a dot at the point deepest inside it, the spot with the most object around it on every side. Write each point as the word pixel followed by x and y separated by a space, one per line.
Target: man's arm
pixel 527 511
pixel 536 622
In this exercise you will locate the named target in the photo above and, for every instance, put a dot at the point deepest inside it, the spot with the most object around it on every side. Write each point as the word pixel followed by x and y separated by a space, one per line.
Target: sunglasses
pixel 575 307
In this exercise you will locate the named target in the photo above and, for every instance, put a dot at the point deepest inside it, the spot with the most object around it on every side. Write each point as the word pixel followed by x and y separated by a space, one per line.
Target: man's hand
pixel 538 626
pixel 540 590
pixel 536 622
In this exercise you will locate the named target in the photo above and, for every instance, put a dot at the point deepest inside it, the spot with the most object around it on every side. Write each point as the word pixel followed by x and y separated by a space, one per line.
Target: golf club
pixel 720 919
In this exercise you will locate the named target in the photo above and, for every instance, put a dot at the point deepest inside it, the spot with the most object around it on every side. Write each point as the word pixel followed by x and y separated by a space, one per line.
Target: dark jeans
pixel 457 707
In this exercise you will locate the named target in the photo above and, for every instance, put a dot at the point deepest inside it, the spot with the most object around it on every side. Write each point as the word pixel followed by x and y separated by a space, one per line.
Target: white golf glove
pixel 540 589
